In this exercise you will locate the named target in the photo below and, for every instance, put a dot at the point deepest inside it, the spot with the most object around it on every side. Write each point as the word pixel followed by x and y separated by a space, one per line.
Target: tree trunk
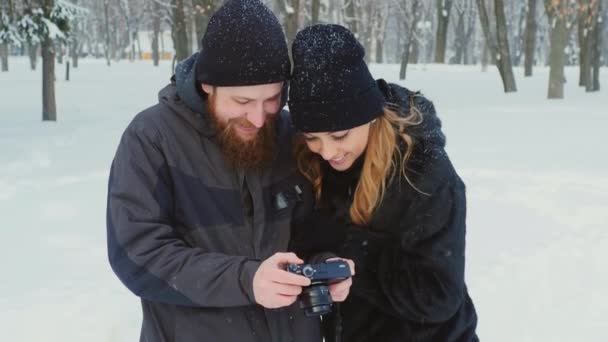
pixel 350 17
pixel 443 18
pixel 203 10
pixel 179 34
pixel 530 38
pixel 106 9
pixel 519 37
pixel 74 51
pixel 138 42
pixel 485 56
pixel 504 63
pixel 469 42
pixel 33 54
pixel 290 10
pixel 4 47
pixel 593 84
pixel 415 52
pixel 583 44
pixel 410 37
pixel 487 33
pixel 587 22
pixel 155 33
pixel 59 52
pixel 559 39
pixel 316 8
pixel 460 39
pixel 380 33
pixel 365 14
pixel 4 56
pixel 586 43
pixel 126 13
pixel 49 108
pixel 379 51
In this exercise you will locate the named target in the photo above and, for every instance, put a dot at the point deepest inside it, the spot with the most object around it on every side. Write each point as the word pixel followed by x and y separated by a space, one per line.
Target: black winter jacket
pixel 409 283
pixel 186 231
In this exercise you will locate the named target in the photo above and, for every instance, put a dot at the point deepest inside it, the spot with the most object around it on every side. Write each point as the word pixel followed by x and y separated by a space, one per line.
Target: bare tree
pixel 107 47
pixel 504 56
pixel 381 14
pixel 444 8
pixel 156 18
pixel 365 14
pixel 561 16
pixel 530 37
pixel 179 32
pixel 588 14
pixel 498 45
pixel 594 83
pixel 315 11
pixel 414 18
pixel 517 33
pixel 464 30
pixel 350 16
pixel 203 10
pixel 291 12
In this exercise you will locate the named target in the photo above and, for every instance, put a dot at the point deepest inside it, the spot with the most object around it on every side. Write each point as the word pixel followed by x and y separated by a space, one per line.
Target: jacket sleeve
pixel 146 252
pixel 421 277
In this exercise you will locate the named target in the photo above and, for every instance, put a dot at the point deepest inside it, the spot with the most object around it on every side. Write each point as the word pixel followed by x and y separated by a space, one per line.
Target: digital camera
pixel 315 299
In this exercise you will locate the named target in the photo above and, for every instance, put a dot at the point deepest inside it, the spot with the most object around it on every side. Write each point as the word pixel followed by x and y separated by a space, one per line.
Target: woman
pixel 387 196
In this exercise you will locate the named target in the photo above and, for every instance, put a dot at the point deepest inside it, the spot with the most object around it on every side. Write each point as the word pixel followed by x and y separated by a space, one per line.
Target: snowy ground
pixel 536 171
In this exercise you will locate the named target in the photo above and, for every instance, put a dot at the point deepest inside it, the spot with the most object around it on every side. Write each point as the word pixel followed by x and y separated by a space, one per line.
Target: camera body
pixel 315 299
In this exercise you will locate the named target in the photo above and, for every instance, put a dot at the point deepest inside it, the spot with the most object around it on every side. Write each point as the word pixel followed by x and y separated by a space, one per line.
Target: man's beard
pixel 255 153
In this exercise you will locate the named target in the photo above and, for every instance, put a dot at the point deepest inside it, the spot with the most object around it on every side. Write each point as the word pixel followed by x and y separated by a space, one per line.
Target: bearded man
pixel 203 189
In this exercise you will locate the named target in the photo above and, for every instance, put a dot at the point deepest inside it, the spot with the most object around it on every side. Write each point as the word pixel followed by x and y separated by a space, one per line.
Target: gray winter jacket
pixel 186 231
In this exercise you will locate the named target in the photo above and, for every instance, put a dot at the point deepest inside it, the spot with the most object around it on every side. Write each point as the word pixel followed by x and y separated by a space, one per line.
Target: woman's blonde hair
pixel 383 159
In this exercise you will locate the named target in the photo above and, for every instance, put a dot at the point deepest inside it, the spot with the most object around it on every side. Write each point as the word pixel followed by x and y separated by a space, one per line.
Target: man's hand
pixel 339 291
pixel 273 286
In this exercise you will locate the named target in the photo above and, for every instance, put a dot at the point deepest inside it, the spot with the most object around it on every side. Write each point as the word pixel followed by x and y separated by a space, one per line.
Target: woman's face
pixel 340 149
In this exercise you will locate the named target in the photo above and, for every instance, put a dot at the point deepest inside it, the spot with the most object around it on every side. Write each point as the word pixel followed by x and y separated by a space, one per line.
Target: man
pixel 203 188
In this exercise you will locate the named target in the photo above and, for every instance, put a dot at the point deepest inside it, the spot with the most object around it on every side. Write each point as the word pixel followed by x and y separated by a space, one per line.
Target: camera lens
pixel 316 300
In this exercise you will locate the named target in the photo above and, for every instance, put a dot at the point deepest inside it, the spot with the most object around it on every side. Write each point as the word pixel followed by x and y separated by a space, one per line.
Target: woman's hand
pixel 339 291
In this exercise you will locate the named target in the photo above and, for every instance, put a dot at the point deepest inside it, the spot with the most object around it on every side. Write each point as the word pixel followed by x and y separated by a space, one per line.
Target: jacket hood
pixel 428 132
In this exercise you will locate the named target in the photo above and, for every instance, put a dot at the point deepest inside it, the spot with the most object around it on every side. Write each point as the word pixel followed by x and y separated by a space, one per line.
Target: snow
pixel 52 29
pixel 535 169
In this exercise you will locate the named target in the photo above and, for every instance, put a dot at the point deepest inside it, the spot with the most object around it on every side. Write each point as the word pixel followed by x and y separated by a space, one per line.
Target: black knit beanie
pixel 244 45
pixel 331 87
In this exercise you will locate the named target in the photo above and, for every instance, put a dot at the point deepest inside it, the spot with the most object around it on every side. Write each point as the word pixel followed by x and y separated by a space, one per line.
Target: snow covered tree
pixel 43 22
pixel 9 34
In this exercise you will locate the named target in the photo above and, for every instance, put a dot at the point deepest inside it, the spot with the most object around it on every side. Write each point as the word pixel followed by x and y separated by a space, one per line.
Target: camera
pixel 315 299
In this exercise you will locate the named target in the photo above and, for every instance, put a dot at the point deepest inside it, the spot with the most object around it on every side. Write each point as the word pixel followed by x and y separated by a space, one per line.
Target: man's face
pixel 244 118
pixel 245 109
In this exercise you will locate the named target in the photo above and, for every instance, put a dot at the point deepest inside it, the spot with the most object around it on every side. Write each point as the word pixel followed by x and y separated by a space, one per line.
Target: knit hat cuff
pixel 313 117
pixel 210 71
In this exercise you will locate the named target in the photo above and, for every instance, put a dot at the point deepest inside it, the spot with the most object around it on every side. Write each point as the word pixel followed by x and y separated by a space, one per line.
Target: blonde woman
pixel 387 197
